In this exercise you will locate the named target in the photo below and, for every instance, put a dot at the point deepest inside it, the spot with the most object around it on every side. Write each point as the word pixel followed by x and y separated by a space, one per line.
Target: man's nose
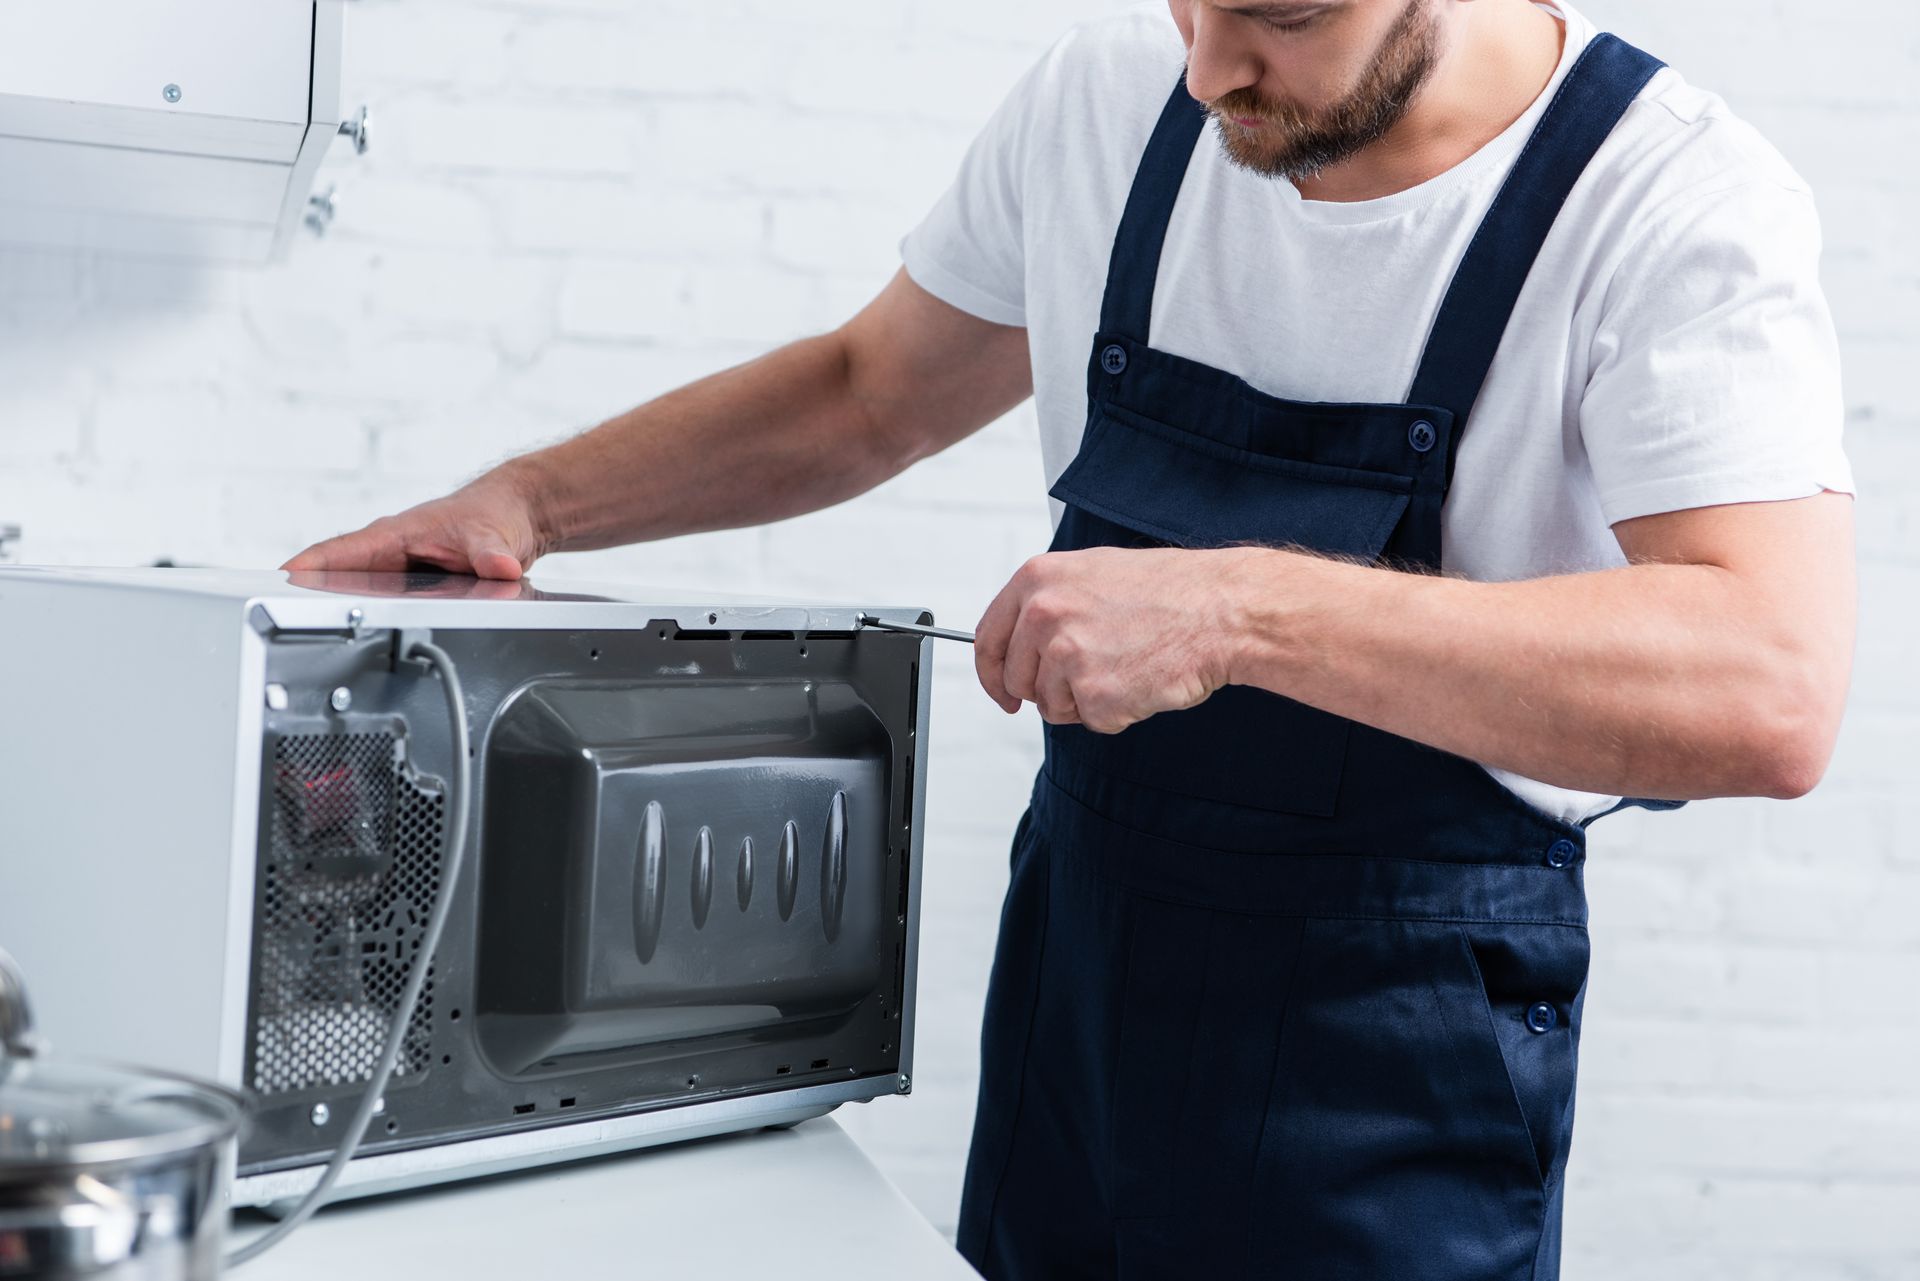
pixel 1218 60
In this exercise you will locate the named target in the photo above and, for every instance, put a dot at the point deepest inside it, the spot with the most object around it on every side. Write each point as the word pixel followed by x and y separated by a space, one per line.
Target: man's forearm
pixel 773 438
pixel 1657 680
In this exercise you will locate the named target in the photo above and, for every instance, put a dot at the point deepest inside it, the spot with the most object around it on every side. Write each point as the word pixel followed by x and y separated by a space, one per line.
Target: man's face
pixel 1300 85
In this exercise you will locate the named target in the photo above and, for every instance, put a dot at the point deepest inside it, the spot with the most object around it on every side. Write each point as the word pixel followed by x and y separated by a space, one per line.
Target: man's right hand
pixel 486 529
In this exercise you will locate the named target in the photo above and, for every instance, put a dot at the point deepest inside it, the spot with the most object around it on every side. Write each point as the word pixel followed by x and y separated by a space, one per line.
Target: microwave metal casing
pixel 689 905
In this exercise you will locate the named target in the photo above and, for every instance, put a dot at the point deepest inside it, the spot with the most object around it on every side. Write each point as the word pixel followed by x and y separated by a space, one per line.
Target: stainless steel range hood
pixel 186 131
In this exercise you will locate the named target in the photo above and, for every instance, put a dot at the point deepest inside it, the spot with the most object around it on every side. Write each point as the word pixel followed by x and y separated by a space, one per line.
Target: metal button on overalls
pixel 1278 994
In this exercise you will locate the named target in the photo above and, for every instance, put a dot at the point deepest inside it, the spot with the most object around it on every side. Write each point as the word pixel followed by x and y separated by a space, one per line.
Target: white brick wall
pixel 575 204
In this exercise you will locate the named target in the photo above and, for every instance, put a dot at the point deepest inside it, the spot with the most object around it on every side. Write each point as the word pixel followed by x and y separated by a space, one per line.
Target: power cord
pixel 436 922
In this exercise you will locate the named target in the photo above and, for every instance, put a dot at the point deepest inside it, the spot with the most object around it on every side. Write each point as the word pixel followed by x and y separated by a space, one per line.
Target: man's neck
pixel 1498 61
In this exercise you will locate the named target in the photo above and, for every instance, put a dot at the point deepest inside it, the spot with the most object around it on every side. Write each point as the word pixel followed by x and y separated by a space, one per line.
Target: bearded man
pixel 1443 421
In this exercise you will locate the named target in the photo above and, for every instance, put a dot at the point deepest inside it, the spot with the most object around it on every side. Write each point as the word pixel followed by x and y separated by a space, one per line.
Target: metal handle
pixel 360 130
pixel 17 1039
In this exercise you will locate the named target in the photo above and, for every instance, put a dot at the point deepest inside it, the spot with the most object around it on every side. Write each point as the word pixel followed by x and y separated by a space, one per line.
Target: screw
pixel 355 617
pixel 171 93
pixel 906 1084
pixel 277 697
pixel 321 1114
pixel 341 699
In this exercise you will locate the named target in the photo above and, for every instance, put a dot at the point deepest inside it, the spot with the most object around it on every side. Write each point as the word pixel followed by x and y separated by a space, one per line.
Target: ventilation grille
pixel 350 871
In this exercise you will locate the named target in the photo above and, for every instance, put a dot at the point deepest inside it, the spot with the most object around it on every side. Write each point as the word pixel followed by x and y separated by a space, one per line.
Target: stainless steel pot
pixel 107 1174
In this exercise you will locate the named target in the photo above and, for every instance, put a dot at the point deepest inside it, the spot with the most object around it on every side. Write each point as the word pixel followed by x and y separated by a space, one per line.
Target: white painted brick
pixel 413 46
pixel 459 439
pixel 582 383
pixel 639 217
pixel 126 347
pixel 195 432
pixel 826 233
pixel 1715 980
pixel 751 304
pixel 1717 1137
pixel 605 55
pixel 507 300
pixel 902 78
pixel 1876 748
pixel 31 276
pixel 520 137
pixel 377 206
pixel 733 146
pixel 1645 895
pixel 1829 828
pixel 395 369
pixel 43 403
pixel 617 299
pixel 1811 905
pixel 96 516
pixel 1860 985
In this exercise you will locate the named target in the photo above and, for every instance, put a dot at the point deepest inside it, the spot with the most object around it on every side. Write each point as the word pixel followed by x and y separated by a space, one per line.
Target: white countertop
pixel 797 1204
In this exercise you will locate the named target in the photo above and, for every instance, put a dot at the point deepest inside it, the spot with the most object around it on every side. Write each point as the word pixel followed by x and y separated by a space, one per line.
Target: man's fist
pixel 1108 636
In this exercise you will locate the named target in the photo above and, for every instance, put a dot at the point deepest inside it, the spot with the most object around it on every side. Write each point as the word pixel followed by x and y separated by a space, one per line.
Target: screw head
pixel 355 617
pixel 321 1114
pixel 171 93
pixel 906 1084
pixel 341 699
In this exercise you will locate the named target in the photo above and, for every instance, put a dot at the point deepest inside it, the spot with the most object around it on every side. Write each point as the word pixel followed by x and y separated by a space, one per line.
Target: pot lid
pixel 64 1115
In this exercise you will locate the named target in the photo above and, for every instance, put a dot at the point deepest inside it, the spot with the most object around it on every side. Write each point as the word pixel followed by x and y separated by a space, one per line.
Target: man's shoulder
pixel 1687 142
pixel 1130 58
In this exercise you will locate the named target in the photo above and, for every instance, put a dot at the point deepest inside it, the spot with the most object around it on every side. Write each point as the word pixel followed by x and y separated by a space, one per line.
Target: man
pixel 1444 418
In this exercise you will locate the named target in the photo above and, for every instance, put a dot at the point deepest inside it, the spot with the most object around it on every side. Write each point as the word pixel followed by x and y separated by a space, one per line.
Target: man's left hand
pixel 1108 636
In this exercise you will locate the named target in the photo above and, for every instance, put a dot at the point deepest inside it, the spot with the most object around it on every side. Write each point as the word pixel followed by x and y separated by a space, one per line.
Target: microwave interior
pixel 686 879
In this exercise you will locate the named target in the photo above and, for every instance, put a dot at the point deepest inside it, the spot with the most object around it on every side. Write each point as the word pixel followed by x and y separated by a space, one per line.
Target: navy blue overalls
pixel 1278 994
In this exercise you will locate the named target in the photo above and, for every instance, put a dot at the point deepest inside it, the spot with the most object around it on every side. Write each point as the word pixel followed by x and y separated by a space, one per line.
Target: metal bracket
pixel 360 129
pixel 403 639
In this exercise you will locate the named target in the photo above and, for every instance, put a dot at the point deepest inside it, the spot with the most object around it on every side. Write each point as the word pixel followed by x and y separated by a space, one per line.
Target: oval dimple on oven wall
pixel 789 869
pixel 650 882
pixel 702 876
pixel 833 867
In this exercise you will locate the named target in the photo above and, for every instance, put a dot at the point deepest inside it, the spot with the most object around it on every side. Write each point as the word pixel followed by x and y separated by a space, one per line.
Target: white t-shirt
pixel 1672 347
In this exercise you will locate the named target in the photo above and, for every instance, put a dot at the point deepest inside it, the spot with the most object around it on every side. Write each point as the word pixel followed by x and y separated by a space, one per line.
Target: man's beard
pixel 1292 143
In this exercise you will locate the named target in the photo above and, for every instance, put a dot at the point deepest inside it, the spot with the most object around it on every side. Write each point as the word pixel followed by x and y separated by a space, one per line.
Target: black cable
pixel 397 1033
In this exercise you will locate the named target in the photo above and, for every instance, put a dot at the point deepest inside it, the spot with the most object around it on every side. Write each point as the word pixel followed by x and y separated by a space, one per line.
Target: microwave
pixel 689 903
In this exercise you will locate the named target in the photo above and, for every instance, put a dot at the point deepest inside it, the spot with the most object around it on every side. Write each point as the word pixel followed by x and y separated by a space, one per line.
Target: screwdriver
pixel 917 629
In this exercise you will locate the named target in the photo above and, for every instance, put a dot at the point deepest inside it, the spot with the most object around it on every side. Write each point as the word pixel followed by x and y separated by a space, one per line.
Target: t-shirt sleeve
pixel 970 251
pixel 1714 370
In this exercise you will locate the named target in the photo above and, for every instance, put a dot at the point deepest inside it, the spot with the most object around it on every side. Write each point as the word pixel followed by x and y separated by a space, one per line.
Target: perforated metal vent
pixel 348 875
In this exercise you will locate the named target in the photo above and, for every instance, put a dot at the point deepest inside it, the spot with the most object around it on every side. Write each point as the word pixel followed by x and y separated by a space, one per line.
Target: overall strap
pixel 1127 307
pixel 1601 84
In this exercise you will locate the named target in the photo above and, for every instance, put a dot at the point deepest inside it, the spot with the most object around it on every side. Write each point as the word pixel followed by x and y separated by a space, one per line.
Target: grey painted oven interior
pixel 756 723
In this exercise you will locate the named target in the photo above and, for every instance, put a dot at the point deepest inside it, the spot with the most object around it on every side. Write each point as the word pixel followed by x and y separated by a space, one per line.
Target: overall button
pixel 1113 358
pixel 1560 853
pixel 1541 1017
pixel 1421 435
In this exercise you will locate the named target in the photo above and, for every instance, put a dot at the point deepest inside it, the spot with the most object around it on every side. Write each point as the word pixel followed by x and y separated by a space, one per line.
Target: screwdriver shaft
pixel 916 629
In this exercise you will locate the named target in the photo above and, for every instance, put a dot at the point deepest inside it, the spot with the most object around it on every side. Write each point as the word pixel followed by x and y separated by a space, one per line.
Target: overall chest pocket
pixel 1137 482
